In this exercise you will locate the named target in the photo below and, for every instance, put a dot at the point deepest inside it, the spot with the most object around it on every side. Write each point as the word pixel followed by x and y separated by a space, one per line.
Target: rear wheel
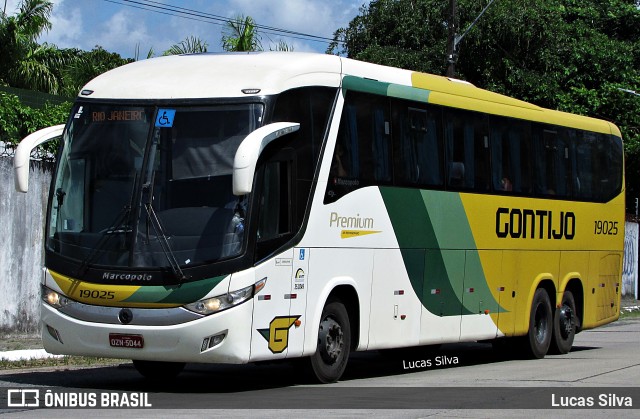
pixel 538 338
pixel 564 325
pixel 334 343
pixel 156 369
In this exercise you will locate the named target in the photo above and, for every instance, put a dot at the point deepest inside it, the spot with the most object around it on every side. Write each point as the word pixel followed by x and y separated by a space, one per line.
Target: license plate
pixel 119 340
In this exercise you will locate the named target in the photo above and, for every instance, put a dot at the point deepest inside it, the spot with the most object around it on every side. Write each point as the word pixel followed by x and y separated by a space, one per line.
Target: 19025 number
pixel 604 227
pixel 104 295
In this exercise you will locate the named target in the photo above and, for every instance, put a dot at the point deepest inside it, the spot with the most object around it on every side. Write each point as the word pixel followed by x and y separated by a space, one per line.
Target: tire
pixel 565 325
pixel 538 339
pixel 334 344
pixel 154 370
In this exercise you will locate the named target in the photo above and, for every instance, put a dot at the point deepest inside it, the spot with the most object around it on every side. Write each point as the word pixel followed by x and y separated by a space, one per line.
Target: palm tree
pixel 191 45
pixel 241 34
pixel 87 65
pixel 25 63
pixel 41 68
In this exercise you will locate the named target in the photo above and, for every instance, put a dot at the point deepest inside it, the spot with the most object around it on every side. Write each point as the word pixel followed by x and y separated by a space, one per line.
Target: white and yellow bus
pixel 232 208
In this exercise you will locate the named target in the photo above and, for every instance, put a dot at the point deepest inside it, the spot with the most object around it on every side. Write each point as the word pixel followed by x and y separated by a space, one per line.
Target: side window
pixel 417 145
pixel 510 156
pixel 608 157
pixel 586 167
pixel 311 107
pixel 275 212
pixel 553 164
pixel 467 151
pixel 362 155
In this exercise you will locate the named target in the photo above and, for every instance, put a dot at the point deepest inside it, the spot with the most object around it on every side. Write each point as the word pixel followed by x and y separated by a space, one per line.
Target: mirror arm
pixel 246 158
pixel 23 154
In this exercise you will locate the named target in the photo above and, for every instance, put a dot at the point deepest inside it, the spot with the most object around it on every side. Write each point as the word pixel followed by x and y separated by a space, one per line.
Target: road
pixel 602 369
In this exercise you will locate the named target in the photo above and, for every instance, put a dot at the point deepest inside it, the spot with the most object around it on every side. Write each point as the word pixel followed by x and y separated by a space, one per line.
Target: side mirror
pixel 23 154
pixel 244 163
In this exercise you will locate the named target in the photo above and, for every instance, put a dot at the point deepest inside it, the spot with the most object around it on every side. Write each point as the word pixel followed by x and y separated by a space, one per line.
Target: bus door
pixel 276 328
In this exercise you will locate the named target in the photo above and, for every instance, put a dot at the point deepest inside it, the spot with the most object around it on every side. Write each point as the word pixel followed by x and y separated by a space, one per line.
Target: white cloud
pixel 119 28
pixel 66 29
pixel 314 17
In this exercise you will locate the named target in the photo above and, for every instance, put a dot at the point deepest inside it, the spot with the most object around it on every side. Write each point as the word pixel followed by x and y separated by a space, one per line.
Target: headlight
pixel 225 301
pixel 53 298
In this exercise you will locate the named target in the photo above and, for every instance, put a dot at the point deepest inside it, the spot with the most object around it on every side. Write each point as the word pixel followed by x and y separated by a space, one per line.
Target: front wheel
pixel 565 323
pixel 538 338
pixel 334 344
pixel 154 370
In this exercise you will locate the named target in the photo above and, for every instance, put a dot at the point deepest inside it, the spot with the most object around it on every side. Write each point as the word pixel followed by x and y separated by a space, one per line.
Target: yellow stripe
pixel 466 96
pixel 100 294
pixel 347 234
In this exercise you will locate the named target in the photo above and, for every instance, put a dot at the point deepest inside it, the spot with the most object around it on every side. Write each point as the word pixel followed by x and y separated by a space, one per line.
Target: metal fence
pixel 33 98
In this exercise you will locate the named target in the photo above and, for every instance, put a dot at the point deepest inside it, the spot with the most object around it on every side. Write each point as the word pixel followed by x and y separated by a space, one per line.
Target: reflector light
pixel 211 341
pixel 54 333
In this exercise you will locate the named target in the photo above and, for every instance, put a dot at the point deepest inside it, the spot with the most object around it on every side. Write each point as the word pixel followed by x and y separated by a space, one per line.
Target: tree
pixel 25 63
pixel 241 34
pixel 571 55
pixel 88 65
pixel 191 45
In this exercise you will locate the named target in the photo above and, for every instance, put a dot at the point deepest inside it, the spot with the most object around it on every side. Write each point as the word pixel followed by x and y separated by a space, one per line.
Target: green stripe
pixel 375 87
pixel 177 294
pixel 439 251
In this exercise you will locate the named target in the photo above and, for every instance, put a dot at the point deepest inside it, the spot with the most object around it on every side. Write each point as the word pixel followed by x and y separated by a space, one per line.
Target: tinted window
pixel 467 151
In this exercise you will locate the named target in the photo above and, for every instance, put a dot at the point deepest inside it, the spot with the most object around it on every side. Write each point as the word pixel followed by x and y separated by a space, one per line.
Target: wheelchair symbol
pixel 165 118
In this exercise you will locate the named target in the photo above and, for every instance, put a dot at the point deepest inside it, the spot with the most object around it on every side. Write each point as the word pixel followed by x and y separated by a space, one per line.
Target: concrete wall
pixel 21 251
pixel 630 266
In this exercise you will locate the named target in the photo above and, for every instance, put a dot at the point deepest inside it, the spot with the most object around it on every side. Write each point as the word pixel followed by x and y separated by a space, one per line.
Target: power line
pixel 191 14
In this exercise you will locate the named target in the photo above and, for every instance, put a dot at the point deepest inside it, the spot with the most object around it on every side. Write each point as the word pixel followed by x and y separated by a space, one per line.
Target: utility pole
pixel 452 50
pixel 454 38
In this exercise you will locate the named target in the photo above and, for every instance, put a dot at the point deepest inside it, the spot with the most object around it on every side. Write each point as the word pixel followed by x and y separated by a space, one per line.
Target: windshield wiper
pixel 161 235
pixel 117 227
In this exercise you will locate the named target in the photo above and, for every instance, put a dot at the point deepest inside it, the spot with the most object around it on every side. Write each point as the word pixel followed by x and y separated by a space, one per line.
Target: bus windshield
pixel 145 187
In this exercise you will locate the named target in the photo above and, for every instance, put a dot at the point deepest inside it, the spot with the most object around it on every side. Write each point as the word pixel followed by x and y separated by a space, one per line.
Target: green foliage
pixel 191 45
pixel 88 65
pixel 17 120
pixel 241 34
pixel 45 67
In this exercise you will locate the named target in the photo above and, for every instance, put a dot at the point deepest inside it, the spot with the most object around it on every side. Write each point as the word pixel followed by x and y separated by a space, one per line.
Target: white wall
pixel 630 264
pixel 21 252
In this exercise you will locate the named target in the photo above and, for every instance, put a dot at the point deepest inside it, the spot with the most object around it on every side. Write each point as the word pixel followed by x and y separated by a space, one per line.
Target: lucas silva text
pixel 438 361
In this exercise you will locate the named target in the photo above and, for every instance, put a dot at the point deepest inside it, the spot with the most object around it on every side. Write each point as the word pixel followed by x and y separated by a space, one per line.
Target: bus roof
pixel 233 75
pixel 196 76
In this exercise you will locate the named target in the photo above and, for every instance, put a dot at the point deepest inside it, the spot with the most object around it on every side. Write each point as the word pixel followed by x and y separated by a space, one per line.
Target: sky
pixel 121 26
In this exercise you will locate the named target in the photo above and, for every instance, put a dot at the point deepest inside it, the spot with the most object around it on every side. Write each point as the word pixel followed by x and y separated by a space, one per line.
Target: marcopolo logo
pixel 115 276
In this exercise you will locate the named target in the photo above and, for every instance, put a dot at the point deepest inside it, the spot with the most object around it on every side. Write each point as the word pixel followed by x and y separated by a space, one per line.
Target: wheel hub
pixel 330 340
pixel 566 321
pixel 540 324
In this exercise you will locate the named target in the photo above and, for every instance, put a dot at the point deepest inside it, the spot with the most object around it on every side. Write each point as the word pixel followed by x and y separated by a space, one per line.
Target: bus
pixel 235 208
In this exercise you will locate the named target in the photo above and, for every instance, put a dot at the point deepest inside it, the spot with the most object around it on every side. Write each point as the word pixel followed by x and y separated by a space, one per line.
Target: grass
pixel 630 314
pixel 76 361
